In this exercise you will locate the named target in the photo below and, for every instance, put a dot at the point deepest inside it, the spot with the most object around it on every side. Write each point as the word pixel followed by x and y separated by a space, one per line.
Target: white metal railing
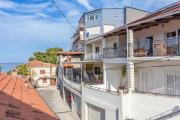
pixel 98 56
pixel 72 84
pixel 89 56
pixel 112 52
pixel 164 47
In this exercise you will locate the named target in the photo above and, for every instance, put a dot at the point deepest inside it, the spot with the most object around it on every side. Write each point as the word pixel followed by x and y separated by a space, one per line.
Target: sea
pixel 5 67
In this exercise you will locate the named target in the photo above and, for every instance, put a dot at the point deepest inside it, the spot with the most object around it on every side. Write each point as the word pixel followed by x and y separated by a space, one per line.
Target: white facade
pixel 43 75
pixel 133 73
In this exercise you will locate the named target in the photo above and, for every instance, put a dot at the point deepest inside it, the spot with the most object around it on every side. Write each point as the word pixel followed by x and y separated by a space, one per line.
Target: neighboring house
pixel 148 50
pixel 42 74
pixel 96 22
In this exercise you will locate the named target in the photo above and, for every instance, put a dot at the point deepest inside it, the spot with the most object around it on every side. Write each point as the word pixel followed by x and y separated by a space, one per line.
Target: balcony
pixel 89 56
pixel 73 79
pixel 112 52
pixel 96 56
pixel 92 79
pixel 166 47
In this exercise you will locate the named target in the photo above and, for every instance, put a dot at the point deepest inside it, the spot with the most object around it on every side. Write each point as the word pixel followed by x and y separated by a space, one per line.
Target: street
pixel 53 99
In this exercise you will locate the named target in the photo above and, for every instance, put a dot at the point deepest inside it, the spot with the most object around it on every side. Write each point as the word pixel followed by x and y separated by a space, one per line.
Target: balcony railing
pixel 89 56
pixel 92 79
pixel 97 56
pixel 111 52
pixel 166 47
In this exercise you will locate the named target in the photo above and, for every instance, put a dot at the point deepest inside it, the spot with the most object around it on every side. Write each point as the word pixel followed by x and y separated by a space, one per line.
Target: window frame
pixel 42 72
pixel 97 49
pixel 97 70
pixel 44 80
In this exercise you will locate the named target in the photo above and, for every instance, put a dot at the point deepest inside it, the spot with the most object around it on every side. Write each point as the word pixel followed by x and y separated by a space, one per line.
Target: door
pixel 95 113
pixel 173 84
pixel 149 46
pixel 170 84
pixel 52 82
pixel 145 81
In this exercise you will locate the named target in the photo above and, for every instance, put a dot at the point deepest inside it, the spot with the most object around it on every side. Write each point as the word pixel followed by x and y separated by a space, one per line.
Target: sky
pixel 35 25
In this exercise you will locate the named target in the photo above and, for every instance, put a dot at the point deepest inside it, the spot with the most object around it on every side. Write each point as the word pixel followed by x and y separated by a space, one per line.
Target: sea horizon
pixel 5 67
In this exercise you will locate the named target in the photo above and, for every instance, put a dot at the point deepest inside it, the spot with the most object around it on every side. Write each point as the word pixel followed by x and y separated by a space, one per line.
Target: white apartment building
pixel 133 72
pixel 42 74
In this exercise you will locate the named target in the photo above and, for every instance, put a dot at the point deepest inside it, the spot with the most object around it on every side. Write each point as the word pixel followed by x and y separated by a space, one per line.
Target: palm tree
pixel 123 75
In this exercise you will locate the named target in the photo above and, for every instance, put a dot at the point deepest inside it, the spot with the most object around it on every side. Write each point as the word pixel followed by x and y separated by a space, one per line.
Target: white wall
pixel 108 28
pixel 157 74
pixel 110 103
pixel 35 74
pixel 113 77
pixel 143 106
pixel 94 30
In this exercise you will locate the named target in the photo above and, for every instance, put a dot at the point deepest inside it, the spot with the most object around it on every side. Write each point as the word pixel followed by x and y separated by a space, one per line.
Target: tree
pixel 50 55
pixel 23 70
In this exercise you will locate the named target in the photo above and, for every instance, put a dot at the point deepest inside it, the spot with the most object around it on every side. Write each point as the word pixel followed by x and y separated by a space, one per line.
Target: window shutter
pixel 177 84
pixel 170 84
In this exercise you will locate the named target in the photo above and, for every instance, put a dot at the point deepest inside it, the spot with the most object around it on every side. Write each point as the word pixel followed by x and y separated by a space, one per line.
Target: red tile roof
pixel 37 63
pixel 18 100
pixel 70 53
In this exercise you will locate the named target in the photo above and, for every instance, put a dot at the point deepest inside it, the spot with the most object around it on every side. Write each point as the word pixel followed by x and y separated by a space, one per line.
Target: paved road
pixel 52 97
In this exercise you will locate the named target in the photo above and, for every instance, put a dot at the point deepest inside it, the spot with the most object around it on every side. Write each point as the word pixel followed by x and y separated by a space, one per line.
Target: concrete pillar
pixel 117 39
pixel 130 64
pixel 85 50
pixel 130 74
pixel 130 43
pixel 72 103
pixel 94 50
pixel 103 46
pixel 84 110
pixel 104 75
pixel 103 43
pixel 64 96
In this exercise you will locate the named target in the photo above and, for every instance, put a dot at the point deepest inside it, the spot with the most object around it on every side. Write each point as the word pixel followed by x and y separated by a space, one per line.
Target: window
pixel 97 70
pixel 42 71
pixel 87 34
pixel 115 17
pixel 145 81
pixel 171 34
pixel 92 17
pixel 44 80
pixel 173 84
pixel 115 45
pixel 97 49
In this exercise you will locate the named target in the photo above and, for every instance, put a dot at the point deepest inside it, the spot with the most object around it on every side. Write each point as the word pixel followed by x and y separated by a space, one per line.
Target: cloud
pixel 86 4
pixel 73 12
pixel 2 13
pixel 7 4
pixel 22 35
pixel 23 7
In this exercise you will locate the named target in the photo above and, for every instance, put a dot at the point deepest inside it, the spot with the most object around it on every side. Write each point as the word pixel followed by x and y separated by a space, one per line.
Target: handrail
pixel 120 51
pixel 160 47
pixel 157 94
pixel 102 89
pixel 168 113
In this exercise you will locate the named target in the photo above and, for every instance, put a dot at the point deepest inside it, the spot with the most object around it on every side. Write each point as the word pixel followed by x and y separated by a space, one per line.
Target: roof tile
pixel 18 100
